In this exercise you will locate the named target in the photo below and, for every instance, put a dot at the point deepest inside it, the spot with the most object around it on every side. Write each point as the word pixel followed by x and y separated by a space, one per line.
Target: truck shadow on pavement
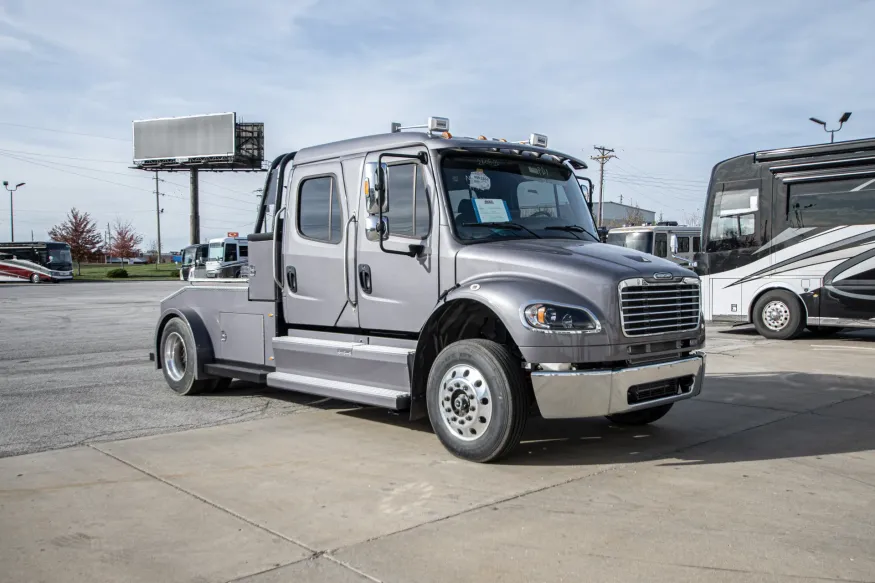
pixel 740 417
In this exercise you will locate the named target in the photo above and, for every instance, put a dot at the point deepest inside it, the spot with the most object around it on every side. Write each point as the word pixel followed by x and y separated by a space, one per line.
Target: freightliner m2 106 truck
pixel 456 278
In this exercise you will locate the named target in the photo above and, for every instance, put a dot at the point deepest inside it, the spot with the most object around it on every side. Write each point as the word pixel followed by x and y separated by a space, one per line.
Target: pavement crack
pixel 208 502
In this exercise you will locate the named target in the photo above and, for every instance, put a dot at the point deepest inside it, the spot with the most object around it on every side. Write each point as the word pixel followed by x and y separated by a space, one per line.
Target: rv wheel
pixel 477 400
pixel 177 362
pixel 779 315
pixel 35 278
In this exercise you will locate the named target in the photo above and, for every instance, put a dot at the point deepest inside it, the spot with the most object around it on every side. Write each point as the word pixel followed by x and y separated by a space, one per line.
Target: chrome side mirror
pixel 375 187
pixel 375 230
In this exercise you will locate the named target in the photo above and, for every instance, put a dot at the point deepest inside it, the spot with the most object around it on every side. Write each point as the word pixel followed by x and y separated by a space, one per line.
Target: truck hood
pixel 565 261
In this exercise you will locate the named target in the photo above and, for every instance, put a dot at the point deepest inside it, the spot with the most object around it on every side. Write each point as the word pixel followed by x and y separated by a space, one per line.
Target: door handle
pixel 365 278
pixel 292 278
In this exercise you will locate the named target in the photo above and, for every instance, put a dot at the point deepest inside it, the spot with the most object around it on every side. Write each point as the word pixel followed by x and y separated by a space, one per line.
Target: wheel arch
pixel 461 317
pixel 772 286
pixel 204 347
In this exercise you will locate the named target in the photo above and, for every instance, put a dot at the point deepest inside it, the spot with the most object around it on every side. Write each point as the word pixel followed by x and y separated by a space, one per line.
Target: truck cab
pixel 459 279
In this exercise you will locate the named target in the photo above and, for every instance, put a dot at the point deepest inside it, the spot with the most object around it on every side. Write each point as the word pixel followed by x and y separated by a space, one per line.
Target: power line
pixel 57 131
pixel 41 154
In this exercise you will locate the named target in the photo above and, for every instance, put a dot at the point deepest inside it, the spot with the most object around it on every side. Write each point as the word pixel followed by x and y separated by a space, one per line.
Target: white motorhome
pixel 668 240
pixel 227 256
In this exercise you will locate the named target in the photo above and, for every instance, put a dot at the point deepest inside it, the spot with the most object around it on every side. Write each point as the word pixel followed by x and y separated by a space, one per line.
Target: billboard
pixel 203 137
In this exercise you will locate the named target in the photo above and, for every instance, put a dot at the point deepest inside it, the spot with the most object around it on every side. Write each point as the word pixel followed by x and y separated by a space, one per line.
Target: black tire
pixel 641 417
pixel 824 331
pixel 184 383
pixel 507 403
pixel 786 319
pixel 35 278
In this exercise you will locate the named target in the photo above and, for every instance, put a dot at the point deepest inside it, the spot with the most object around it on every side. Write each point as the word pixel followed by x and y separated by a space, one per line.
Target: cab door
pixel 398 292
pixel 312 271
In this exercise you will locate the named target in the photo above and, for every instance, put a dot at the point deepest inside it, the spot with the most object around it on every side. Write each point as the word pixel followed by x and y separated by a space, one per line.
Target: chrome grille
pixel 658 308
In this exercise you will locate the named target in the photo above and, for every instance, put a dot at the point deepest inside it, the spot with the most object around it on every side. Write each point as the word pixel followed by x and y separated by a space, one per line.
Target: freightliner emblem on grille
pixel 662 276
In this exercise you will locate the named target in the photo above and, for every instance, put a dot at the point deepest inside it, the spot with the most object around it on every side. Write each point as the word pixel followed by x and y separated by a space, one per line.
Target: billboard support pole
pixel 195 225
pixel 158 218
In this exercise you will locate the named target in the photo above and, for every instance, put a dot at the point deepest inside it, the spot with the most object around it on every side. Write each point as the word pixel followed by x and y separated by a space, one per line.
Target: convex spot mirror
pixel 375 188
pixel 374 230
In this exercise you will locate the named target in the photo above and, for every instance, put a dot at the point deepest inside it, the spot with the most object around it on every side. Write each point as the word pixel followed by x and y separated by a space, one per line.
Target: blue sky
pixel 673 87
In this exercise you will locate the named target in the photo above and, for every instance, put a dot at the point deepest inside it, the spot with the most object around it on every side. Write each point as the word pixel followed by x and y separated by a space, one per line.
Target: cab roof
pixel 432 141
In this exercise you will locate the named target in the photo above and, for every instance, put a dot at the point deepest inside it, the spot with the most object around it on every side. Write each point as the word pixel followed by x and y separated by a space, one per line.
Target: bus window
pixel 230 252
pixel 661 246
pixel 697 244
pixel 683 244
pixel 831 203
pixel 244 251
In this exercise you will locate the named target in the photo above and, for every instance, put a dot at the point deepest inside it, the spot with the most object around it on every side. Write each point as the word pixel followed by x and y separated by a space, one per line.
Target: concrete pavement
pixel 768 476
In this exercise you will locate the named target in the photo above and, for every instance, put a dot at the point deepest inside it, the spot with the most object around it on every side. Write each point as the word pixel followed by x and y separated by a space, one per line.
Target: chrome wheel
pixel 35 278
pixel 174 356
pixel 776 315
pixel 465 401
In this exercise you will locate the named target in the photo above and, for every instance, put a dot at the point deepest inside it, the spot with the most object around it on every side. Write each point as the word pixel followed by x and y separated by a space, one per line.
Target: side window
pixel 683 244
pixel 244 251
pixel 832 203
pixel 697 244
pixel 409 212
pixel 230 251
pixel 733 223
pixel 661 247
pixel 319 215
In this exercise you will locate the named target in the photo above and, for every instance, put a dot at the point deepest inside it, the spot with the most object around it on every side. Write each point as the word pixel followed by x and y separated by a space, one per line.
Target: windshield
pixel 59 255
pixel 541 200
pixel 639 241
pixel 217 252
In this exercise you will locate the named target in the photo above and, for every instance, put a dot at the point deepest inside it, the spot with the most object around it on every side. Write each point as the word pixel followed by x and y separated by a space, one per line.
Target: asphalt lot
pixel 768 476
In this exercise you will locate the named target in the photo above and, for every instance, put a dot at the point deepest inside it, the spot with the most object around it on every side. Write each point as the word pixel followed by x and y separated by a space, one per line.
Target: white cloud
pixel 15 45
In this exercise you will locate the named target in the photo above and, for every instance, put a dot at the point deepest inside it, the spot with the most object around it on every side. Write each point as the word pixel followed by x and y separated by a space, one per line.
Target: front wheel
pixel 642 417
pixel 178 362
pixel 477 400
pixel 35 278
pixel 779 315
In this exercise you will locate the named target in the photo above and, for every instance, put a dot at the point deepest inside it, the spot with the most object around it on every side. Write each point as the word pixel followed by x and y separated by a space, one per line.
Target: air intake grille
pixel 658 308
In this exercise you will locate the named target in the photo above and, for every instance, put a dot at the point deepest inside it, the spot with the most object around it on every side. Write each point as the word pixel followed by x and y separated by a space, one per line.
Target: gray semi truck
pixel 460 279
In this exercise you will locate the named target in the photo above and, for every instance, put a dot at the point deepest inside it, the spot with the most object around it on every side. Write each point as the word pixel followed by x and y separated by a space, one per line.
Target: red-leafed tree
pixel 80 233
pixel 124 240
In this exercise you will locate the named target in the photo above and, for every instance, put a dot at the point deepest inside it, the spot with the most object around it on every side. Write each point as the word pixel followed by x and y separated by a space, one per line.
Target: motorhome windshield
pixel 639 241
pixel 217 252
pixel 496 197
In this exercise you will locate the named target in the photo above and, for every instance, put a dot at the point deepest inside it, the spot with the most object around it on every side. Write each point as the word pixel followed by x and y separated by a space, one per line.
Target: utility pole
pixel 195 224
pixel 605 154
pixel 11 213
pixel 158 218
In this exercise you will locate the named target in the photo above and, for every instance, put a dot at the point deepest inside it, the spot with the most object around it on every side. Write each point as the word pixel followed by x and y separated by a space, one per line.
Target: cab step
pixel 355 393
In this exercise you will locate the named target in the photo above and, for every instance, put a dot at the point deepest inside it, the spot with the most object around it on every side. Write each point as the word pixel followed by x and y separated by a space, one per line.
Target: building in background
pixel 615 214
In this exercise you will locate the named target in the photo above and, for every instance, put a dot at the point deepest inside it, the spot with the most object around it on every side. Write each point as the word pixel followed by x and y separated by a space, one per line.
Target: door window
pixel 409 212
pixel 661 247
pixel 697 244
pixel 319 215
pixel 230 252
pixel 683 244
pixel 733 223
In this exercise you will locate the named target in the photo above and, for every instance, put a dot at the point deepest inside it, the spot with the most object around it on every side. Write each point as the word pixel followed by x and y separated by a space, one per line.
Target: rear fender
pixel 204 347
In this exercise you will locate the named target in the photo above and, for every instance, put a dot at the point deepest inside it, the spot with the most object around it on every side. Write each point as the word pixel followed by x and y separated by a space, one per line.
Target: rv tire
pixel 477 400
pixel 35 278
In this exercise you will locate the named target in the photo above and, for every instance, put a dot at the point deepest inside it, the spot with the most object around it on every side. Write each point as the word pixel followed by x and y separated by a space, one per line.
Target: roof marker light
pixel 539 140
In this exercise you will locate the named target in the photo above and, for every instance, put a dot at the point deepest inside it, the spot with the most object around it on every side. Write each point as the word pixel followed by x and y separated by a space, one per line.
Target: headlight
pixel 559 318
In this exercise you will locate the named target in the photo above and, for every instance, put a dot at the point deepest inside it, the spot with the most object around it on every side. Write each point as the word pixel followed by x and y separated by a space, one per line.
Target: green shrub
pixel 117 273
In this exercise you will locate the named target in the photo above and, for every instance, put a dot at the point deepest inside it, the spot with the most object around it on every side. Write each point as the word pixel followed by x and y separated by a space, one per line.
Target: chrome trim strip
pixel 843 322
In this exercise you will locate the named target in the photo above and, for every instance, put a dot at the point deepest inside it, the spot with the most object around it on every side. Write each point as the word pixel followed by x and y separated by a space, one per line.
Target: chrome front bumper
pixel 593 393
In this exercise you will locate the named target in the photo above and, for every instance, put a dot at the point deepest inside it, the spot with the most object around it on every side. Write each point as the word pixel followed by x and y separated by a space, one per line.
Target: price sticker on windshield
pixel 491 210
pixel 479 181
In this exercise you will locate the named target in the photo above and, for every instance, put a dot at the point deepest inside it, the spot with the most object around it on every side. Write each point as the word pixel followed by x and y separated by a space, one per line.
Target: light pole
pixel 845 117
pixel 11 214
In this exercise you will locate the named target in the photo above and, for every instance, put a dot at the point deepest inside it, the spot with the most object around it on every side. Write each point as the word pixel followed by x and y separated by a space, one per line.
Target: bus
pixel 677 243
pixel 36 261
pixel 192 256
pixel 789 240
pixel 227 256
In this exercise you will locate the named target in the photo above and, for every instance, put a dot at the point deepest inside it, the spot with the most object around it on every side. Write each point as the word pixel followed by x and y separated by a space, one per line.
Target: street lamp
pixel 11 216
pixel 845 117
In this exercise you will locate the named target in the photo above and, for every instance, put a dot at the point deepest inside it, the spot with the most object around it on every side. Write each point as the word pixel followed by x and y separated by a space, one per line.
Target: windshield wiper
pixel 573 229
pixel 504 225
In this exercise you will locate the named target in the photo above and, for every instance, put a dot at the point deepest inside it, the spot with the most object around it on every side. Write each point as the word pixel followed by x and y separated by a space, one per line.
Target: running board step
pixel 237 371
pixel 344 391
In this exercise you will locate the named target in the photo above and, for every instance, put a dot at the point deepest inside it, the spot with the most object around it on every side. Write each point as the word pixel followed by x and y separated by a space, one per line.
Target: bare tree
pixel 634 216
pixel 694 218
pixel 80 233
